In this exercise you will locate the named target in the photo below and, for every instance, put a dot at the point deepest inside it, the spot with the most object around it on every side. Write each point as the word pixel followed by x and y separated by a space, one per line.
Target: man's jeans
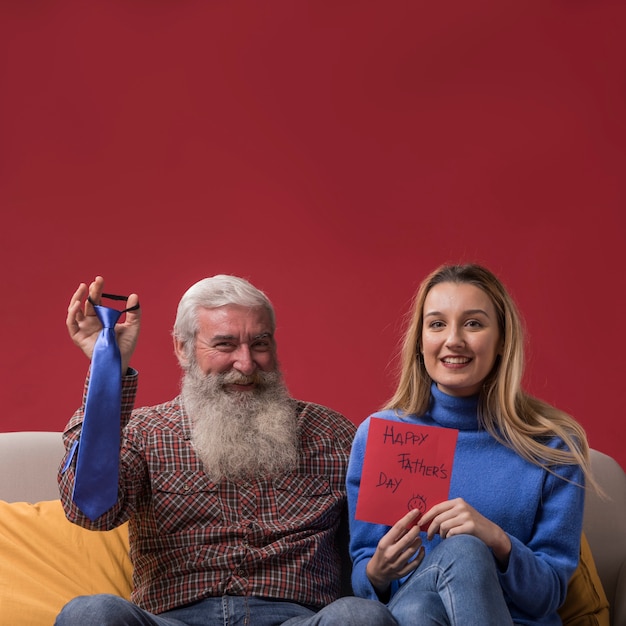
pixel 455 585
pixel 110 610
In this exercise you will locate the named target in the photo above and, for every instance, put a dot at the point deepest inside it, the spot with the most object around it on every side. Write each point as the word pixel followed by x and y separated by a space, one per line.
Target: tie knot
pixel 107 315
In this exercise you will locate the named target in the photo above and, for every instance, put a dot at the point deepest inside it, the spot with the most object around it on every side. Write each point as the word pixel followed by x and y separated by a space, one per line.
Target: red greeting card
pixel 406 467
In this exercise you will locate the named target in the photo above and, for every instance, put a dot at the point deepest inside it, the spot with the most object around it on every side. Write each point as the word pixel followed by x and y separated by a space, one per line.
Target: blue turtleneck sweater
pixel 542 513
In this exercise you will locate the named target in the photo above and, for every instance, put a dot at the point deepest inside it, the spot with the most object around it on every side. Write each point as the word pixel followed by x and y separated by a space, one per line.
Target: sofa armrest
pixel 605 527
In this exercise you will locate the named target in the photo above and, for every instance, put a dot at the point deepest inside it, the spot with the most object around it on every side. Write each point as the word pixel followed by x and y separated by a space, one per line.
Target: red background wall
pixel 331 152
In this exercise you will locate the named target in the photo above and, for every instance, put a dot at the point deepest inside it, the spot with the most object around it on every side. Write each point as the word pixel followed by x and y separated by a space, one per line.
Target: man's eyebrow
pixel 230 337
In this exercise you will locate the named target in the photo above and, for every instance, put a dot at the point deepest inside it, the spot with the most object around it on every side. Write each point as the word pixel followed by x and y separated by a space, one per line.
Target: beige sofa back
pixel 29 462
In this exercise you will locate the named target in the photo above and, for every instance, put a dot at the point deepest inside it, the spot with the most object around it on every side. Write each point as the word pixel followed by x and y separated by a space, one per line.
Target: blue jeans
pixel 455 585
pixel 110 610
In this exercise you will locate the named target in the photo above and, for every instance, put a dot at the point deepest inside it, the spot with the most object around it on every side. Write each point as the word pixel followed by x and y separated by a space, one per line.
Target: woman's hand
pixel 457 517
pixel 392 559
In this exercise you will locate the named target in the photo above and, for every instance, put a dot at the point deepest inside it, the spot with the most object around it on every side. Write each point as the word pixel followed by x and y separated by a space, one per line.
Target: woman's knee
pixel 465 548
pixel 461 554
pixel 469 556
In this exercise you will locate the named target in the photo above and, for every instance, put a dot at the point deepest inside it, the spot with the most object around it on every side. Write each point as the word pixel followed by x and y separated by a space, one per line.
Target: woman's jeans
pixel 455 585
pixel 110 610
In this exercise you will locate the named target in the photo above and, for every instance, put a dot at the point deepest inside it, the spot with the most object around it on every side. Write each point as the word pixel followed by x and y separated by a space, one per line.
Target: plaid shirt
pixel 192 538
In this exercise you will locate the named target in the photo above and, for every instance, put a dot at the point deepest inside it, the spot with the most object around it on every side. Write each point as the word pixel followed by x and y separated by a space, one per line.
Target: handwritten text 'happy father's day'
pixel 408 461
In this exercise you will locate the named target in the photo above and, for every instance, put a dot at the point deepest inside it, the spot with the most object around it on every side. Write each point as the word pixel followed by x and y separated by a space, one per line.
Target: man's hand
pixel 392 559
pixel 84 326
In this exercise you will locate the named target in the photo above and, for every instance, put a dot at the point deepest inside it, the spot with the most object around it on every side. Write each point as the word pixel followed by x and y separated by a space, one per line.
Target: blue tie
pixel 97 465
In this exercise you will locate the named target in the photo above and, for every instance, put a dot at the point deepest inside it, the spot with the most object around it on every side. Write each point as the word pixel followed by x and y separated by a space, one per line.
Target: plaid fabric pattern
pixel 192 538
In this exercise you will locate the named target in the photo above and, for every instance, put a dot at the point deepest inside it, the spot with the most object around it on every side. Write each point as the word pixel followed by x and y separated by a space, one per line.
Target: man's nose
pixel 244 362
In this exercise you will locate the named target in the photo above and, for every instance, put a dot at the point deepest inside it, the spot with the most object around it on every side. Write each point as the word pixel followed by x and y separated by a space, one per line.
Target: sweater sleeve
pixel 538 572
pixel 364 536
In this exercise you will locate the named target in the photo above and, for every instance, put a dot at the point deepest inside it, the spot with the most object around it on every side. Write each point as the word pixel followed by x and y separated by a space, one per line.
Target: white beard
pixel 241 435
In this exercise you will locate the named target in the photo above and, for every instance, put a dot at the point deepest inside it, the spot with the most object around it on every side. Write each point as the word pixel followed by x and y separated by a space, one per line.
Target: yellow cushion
pixel 586 603
pixel 46 561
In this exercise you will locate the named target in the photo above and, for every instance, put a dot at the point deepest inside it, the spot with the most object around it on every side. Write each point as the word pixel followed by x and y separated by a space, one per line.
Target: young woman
pixel 503 547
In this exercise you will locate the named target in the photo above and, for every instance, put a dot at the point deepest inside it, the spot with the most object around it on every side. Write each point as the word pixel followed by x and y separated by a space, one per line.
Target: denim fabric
pixel 456 585
pixel 110 610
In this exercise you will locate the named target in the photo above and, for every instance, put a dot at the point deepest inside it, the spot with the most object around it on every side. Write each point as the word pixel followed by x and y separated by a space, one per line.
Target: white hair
pixel 214 292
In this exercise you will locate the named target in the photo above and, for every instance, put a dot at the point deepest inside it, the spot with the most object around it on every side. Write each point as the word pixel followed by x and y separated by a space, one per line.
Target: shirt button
pixel 241 572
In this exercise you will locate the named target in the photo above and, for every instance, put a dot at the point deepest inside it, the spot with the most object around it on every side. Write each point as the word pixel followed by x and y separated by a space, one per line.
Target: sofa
pixel 46 560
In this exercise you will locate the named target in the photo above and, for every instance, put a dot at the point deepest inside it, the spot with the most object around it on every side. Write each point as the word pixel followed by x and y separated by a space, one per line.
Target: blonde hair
pixel 509 414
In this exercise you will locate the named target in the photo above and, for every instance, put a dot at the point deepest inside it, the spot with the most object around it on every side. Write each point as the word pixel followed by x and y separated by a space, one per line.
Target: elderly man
pixel 234 490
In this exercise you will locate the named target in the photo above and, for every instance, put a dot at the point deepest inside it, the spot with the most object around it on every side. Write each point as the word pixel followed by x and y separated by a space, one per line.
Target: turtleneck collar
pixel 453 412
